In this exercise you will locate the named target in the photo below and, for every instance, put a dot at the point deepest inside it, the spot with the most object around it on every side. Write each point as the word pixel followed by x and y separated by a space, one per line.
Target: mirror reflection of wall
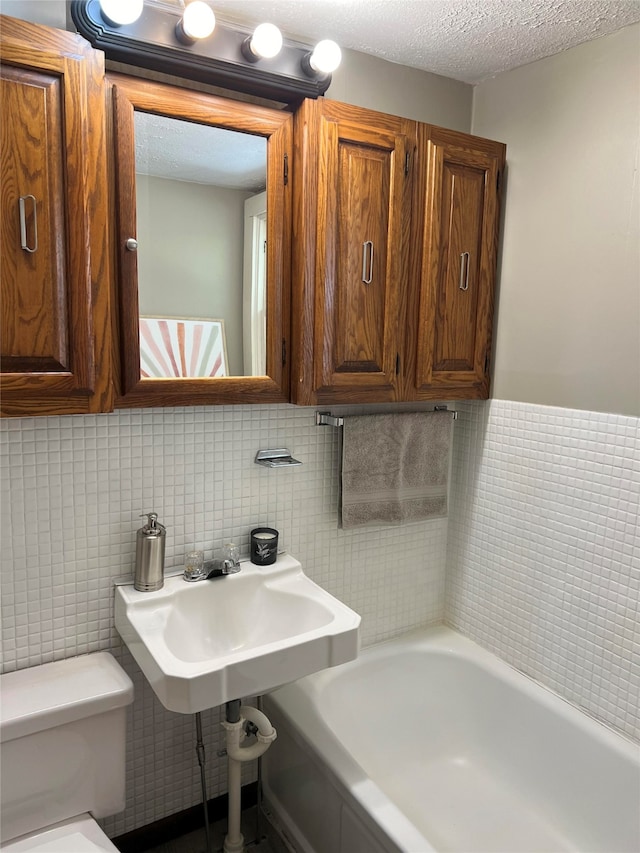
pixel 192 182
pixel 194 266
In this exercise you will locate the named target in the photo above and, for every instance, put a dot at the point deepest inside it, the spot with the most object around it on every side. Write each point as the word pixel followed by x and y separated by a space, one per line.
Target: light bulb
pixel 198 20
pixel 266 41
pixel 326 57
pixel 120 12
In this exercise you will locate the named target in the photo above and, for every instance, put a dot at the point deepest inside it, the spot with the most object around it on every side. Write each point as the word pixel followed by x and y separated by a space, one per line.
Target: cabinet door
pixel 459 200
pixel 203 269
pixel 55 273
pixel 352 216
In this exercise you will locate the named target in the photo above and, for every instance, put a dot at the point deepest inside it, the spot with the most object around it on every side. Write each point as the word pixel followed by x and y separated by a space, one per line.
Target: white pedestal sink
pixel 203 644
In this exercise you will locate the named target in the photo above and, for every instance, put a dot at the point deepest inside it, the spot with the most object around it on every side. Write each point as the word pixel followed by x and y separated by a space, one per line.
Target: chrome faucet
pixel 209 569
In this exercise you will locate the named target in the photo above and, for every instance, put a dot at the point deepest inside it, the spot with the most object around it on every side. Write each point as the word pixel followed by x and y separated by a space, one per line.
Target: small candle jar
pixel 264 546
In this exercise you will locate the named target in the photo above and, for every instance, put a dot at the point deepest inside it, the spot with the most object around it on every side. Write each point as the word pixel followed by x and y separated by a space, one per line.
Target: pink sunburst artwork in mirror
pixel 176 347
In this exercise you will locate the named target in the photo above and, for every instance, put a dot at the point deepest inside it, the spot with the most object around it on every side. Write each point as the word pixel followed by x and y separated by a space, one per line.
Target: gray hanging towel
pixel 395 468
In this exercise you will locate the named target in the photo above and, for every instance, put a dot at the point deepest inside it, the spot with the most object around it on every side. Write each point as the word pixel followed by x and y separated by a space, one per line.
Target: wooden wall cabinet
pixel 395 243
pixel 55 334
pixel 380 245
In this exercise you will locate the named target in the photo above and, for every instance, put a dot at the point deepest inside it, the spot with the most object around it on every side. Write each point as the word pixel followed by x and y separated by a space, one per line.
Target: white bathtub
pixel 429 742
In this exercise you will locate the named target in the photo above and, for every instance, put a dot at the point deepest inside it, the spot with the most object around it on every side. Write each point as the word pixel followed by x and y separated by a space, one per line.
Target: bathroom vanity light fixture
pixel 186 40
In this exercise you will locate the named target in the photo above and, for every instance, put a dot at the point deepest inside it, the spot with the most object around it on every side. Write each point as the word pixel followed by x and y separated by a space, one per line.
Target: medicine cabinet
pixel 202 236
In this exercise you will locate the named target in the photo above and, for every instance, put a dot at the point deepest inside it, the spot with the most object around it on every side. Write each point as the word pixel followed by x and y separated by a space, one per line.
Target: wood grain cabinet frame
pixel 127 95
pixel 395 244
pixel 55 336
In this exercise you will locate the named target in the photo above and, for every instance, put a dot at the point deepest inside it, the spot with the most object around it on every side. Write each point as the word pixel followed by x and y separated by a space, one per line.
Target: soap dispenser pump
pixel 150 540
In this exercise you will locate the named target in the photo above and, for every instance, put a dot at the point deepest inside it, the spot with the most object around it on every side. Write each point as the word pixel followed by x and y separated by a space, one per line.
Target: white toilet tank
pixel 62 742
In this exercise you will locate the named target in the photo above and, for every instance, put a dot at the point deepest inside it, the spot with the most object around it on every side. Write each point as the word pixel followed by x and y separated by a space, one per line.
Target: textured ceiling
pixel 198 153
pixel 468 40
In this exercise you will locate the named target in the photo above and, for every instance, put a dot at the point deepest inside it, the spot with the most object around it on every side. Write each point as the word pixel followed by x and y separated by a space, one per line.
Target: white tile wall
pixel 543 563
pixel 72 491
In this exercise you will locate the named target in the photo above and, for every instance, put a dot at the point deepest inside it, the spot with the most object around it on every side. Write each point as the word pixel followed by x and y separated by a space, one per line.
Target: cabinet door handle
pixel 464 271
pixel 367 261
pixel 23 223
pixel 131 245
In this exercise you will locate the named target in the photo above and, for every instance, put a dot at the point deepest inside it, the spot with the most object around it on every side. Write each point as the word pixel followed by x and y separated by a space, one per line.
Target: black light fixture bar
pixel 219 60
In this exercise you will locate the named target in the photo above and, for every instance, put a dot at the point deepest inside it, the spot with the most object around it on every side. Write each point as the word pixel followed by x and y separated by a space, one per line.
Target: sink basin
pixel 206 643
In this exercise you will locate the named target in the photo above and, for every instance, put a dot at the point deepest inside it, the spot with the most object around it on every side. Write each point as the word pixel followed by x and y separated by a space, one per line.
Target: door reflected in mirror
pixel 201 229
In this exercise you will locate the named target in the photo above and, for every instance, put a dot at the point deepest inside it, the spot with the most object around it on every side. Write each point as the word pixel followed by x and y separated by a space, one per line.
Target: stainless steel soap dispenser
pixel 149 575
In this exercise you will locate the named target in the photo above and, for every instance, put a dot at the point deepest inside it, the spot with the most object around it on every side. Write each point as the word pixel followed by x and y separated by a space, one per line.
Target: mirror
pixel 203 209
pixel 201 216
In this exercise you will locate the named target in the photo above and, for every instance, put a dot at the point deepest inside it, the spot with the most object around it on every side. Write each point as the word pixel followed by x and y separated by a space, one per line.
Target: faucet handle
pixel 231 558
pixel 194 566
pixel 231 554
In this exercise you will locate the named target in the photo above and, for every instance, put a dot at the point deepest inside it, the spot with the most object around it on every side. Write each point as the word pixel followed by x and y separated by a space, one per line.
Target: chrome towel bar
pixel 327 419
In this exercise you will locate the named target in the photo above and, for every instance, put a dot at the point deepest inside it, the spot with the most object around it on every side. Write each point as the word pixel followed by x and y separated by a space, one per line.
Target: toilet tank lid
pixel 52 694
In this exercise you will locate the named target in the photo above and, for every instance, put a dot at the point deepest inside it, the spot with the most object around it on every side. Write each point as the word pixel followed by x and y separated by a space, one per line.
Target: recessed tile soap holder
pixel 276 458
